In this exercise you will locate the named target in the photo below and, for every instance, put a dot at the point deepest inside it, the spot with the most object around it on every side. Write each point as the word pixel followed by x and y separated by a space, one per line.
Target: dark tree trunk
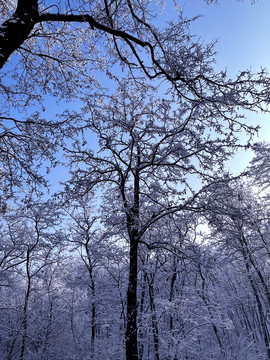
pixel 25 307
pixel 14 31
pixel 173 279
pixel 93 301
pixel 133 220
pixel 131 330
pixel 93 317
pixel 141 308
pixel 154 320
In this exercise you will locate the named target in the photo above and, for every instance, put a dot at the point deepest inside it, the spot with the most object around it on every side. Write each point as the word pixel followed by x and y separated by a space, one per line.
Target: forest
pixel 124 235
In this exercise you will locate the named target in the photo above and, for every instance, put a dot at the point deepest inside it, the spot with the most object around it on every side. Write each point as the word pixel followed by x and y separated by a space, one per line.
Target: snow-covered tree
pixel 239 221
pixel 153 160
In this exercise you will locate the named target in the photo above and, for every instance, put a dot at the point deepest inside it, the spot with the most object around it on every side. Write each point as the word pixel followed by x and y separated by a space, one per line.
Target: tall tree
pixel 151 160
pixel 68 51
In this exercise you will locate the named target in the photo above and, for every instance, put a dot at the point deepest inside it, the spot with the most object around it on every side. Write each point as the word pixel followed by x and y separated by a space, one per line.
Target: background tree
pixel 28 250
pixel 87 238
pixel 241 223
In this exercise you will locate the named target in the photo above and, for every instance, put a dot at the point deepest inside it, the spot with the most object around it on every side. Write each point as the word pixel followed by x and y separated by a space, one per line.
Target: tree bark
pixel 141 308
pixel 131 330
pixel 173 279
pixel 93 301
pixel 133 220
pixel 25 307
pixel 154 319
pixel 14 31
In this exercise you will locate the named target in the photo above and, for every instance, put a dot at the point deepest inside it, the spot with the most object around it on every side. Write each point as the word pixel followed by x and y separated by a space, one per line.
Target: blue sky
pixel 242 30
pixel 243 33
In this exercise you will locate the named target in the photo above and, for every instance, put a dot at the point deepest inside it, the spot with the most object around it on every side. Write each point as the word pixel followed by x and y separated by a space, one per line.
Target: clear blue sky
pixel 242 30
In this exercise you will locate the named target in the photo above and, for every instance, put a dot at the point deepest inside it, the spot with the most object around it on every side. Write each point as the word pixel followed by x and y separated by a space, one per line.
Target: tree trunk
pixel 25 307
pixel 173 279
pixel 154 320
pixel 48 331
pixel 133 220
pixel 131 330
pixel 141 308
pixel 14 31
pixel 93 315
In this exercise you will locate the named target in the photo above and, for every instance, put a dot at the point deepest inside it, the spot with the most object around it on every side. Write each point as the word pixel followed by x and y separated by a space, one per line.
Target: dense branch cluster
pixel 200 294
pixel 123 32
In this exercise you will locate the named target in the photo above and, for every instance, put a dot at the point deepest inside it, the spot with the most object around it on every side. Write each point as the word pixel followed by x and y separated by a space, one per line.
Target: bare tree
pixel 85 237
pixel 61 41
pixel 240 225
pixel 73 51
pixel 150 155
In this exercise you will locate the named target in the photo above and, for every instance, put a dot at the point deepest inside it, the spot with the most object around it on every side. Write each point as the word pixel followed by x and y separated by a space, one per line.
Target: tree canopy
pixel 151 249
